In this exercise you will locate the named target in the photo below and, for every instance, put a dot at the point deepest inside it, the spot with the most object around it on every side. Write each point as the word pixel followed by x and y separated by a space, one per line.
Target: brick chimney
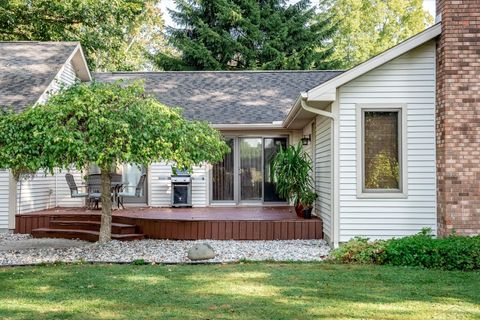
pixel 458 117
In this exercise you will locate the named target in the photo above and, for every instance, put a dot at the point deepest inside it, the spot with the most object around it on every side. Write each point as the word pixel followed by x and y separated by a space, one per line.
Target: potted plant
pixel 291 169
pixel 307 200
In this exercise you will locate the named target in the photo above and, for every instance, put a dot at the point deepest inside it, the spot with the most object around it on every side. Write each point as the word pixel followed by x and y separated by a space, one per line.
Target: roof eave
pixel 248 126
pixel 292 114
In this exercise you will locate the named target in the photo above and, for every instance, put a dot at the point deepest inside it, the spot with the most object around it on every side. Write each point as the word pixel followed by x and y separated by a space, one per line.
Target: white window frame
pixel 382 193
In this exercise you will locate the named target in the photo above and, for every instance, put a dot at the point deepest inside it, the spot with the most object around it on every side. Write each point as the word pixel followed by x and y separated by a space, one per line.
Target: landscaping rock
pixel 201 251
pixel 162 251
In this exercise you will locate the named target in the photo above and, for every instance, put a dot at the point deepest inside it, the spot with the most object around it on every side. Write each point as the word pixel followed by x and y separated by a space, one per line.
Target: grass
pixel 238 291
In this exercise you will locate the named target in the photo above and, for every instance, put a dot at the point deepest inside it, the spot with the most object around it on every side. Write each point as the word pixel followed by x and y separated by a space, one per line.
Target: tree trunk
pixel 106 225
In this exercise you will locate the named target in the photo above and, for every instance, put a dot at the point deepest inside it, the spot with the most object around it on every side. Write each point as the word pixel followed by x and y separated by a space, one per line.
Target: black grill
pixel 181 190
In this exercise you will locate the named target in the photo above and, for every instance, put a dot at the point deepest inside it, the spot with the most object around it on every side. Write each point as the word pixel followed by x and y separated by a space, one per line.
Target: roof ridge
pixel 41 42
pixel 218 71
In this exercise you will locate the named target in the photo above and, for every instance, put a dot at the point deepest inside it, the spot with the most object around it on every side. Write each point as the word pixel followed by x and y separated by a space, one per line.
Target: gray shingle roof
pixel 27 68
pixel 228 97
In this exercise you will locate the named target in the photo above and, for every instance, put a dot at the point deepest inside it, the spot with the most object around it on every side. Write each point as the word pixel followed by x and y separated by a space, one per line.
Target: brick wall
pixel 458 117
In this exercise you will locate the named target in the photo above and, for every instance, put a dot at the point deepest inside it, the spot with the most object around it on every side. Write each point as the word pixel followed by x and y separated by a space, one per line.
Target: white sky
pixel 164 4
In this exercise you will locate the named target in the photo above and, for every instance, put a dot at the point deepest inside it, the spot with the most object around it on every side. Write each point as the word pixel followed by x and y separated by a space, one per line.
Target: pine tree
pixel 247 34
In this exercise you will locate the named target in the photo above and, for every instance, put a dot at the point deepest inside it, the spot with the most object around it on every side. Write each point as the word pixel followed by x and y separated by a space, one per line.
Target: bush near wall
pixel 420 250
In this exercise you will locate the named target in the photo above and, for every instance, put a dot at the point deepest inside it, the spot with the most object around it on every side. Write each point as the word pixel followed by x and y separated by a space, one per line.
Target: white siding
pixel 36 193
pixel 307 130
pixel 323 173
pixel 410 80
pixel 47 191
pixel 62 195
pixel 66 77
pixel 160 185
pixel 199 186
pixel 4 198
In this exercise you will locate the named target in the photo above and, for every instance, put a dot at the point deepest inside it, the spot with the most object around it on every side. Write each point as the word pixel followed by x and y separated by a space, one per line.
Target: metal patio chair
pixel 74 188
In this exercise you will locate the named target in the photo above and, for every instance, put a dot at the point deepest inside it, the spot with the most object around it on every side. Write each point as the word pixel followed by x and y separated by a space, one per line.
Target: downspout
pixel 334 197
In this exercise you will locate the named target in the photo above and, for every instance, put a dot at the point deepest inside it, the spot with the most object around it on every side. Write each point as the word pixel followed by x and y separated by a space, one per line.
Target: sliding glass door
pixel 244 175
pixel 270 148
pixel 223 176
pixel 250 169
pixel 131 174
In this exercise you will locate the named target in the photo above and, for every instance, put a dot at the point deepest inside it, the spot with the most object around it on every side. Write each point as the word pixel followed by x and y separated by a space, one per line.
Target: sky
pixel 164 4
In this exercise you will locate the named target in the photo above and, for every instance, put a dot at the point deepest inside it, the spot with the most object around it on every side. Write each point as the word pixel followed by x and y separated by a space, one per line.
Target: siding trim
pixel 336 171
pixel 12 200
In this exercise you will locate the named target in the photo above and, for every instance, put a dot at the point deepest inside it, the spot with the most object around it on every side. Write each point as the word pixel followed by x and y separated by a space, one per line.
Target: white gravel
pixel 162 251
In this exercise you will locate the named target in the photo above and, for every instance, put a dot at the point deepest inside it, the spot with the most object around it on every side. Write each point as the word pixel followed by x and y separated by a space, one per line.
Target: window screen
pixel 381 150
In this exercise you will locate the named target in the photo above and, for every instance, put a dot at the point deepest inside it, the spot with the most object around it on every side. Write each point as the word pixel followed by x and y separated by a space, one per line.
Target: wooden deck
pixel 219 223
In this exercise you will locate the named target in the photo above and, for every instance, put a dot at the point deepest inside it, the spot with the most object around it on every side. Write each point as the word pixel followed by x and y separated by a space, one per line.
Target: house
pixel 394 141
pixel 29 73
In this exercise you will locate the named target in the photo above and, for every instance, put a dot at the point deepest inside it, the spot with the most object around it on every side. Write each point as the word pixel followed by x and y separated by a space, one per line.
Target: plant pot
pixel 299 210
pixel 307 213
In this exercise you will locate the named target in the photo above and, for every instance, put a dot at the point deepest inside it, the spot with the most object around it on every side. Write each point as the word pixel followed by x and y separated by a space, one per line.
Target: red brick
pixel 458 117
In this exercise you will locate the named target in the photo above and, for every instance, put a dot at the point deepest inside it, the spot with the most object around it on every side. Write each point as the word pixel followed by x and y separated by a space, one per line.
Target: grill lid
pixel 176 172
pixel 181 179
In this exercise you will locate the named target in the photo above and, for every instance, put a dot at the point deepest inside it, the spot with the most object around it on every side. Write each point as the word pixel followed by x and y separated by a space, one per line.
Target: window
pixel 381 163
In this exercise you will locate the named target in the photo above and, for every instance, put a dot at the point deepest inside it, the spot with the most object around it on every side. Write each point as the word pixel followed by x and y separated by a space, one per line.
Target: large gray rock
pixel 201 251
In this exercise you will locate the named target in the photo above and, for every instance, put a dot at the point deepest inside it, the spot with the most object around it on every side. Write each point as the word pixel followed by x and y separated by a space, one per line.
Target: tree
pixel 239 34
pixel 116 35
pixel 368 27
pixel 103 124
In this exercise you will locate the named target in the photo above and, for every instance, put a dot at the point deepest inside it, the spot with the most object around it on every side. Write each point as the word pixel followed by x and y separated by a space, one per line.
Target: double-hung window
pixel 381 158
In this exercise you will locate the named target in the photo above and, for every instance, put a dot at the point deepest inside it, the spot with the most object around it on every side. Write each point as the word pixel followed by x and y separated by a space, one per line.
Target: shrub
pixel 359 250
pixel 420 250
pixel 423 250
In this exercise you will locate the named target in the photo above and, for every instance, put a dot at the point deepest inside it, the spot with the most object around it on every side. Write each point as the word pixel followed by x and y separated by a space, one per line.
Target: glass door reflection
pixel 251 174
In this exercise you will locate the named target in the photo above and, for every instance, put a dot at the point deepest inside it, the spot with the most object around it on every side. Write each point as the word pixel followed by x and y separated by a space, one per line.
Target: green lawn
pixel 237 291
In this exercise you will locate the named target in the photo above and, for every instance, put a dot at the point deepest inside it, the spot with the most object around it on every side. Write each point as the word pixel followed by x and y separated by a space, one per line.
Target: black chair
pixel 74 188
pixel 94 189
pixel 94 182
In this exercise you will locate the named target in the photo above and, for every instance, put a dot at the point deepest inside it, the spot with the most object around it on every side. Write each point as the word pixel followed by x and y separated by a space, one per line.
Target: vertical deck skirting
pixel 194 229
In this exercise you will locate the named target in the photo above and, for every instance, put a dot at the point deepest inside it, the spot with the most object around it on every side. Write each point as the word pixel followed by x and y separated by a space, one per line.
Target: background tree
pixel 115 34
pixel 239 34
pixel 368 27
pixel 103 124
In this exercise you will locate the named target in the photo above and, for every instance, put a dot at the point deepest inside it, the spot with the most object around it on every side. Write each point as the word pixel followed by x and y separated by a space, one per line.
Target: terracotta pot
pixel 299 210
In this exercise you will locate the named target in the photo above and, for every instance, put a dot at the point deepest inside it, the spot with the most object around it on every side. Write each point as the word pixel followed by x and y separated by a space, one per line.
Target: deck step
pixel 77 217
pixel 87 235
pixel 117 228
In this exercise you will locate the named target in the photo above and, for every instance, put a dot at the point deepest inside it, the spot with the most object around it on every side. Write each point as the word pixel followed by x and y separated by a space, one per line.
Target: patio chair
pixel 139 190
pixel 94 193
pixel 74 188
pixel 94 182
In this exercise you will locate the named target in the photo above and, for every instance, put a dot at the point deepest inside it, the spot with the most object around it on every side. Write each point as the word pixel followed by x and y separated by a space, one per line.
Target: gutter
pixel 247 126
pixel 334 198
